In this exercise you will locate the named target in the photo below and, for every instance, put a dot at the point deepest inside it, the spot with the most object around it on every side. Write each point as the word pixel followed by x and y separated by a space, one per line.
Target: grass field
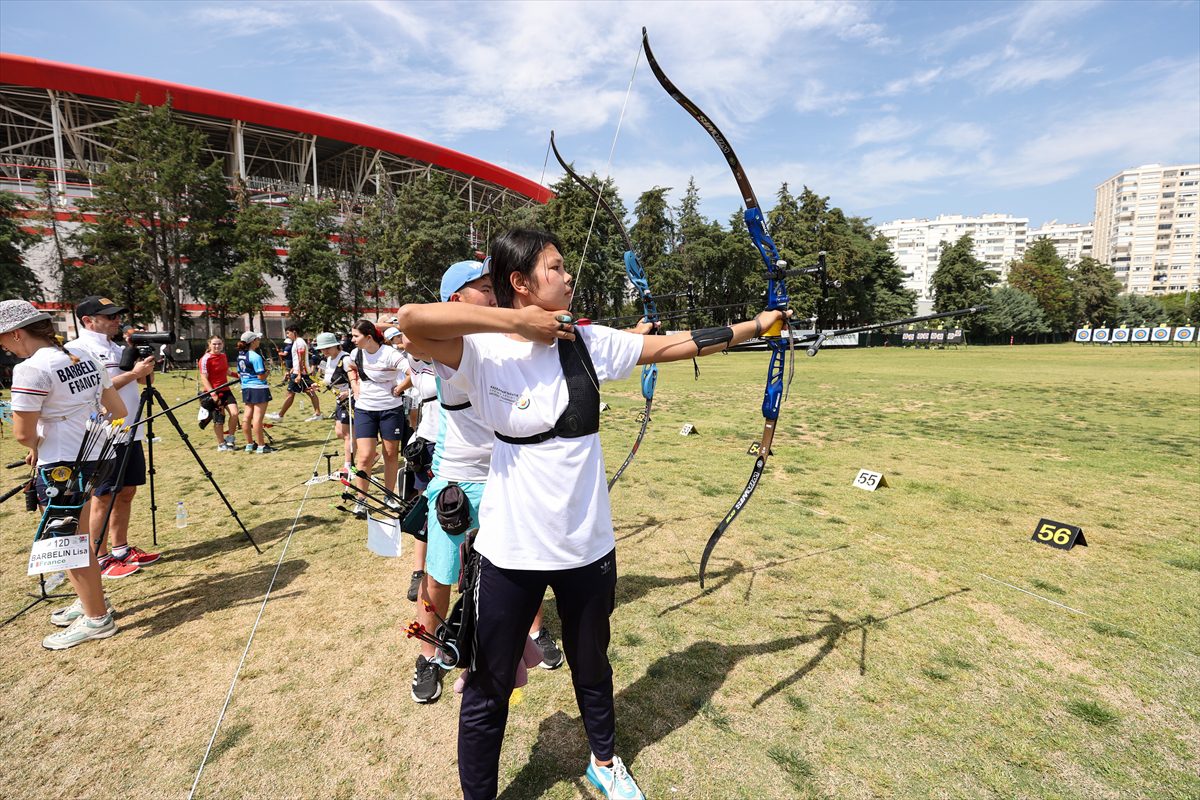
pixel 911 642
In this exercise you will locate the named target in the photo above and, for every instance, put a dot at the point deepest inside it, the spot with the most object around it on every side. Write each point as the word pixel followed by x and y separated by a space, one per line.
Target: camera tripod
pixel 145 416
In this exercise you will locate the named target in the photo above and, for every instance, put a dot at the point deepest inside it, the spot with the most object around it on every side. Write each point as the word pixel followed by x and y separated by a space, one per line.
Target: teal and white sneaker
pixel 614 780
pixel 65 616
pixel 250 448
pixel 81 630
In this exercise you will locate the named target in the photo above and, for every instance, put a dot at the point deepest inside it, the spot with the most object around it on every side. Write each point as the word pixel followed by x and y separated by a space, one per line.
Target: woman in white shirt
pixel 545 519
pixel 54 393
pixel 378 378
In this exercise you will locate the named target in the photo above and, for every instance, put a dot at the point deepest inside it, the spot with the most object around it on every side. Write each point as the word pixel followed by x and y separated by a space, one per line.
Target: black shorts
pixel 391 424
pixel 341 413
pixel 299 384
pixel 256 395
pixel 135 470
pixel 217 407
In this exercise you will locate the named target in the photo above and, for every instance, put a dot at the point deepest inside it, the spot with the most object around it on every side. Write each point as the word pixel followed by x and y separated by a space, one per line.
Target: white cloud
pixel 884 129
pixel 960 136
pixel 814 95
pixel 918 80
pixel 242 20
pixel 1021 73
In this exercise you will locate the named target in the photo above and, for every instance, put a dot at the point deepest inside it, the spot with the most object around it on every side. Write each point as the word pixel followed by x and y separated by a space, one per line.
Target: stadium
pixel 52 115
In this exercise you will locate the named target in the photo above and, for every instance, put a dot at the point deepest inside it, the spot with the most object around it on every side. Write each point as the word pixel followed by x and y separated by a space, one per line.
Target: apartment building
pixel 1146 227
pixel 1072 241
pixel 916 243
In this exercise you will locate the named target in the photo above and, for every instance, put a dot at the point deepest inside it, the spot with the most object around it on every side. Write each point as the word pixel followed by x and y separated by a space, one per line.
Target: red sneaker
pixel 113 567
pixel 140 557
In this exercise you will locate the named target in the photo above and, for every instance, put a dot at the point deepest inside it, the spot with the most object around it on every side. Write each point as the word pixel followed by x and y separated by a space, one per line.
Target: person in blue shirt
pixel 252 370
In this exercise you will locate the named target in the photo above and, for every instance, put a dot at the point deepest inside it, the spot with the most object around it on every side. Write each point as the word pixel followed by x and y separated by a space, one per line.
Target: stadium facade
pixel 52 116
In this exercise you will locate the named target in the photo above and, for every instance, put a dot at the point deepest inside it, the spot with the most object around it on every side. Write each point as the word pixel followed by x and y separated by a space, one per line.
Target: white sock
pixel 535 634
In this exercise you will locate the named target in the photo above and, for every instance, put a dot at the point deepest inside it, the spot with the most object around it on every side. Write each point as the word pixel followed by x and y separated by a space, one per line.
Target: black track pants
pixel 508 602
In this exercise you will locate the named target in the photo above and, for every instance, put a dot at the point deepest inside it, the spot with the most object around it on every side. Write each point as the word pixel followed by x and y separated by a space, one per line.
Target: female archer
pixel 544 520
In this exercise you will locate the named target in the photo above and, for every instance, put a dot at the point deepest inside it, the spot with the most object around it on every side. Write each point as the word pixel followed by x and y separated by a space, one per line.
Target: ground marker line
pixel 1089 616
pixel 253 630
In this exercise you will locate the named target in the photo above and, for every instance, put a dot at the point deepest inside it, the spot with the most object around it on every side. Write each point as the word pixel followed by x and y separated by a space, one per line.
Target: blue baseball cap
pixel 460 274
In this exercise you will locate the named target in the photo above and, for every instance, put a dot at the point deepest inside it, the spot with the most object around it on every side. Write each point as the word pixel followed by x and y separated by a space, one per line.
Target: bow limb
pixel 777 297
pixel 637 277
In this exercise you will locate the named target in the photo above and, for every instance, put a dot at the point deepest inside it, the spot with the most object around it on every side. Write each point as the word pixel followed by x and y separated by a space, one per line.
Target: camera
pixel 141 345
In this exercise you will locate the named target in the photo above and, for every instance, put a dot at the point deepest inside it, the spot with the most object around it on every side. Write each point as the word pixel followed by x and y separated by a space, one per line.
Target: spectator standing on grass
pixel 101 321
pixel 298 380
pixel 335 371
pixel 545 519
pixel 213 370
pixel 53 394
pixel 378 378
pixel 255 392
pixel 461 457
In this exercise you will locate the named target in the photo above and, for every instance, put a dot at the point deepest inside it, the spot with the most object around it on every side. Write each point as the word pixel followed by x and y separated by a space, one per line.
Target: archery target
pixel 1100 335
pixel 1141 334
pixel 1120 335
pixel 1083 335
pixel 1161 334
pixel 1185 334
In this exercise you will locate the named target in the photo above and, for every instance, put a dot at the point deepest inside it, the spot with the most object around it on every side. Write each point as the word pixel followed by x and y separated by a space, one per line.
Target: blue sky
pixel 891 109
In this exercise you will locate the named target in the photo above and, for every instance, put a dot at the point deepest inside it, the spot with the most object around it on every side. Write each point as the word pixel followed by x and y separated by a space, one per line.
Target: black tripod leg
pixel 143 406
pixel 207 472
pixel 42 597
pixel 150 392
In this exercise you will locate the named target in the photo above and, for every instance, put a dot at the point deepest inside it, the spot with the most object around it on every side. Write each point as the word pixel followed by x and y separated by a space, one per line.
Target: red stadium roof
pixel 42 74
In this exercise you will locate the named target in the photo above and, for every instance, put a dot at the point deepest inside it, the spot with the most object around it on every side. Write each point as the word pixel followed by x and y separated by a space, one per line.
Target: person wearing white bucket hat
pixel 54 393
pixel 335 374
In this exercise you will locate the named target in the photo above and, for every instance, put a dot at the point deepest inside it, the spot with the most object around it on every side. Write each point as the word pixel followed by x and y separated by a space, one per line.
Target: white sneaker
pixel 314 418
pixel 614 780
pixel 65 616
pixel 274 416
pixel 223 448
pixel 80 631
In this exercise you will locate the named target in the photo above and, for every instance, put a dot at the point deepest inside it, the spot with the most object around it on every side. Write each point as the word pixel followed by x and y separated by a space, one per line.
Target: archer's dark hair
pixel 516 251
pixel 367 328
pixel 44 329
pixel 294 328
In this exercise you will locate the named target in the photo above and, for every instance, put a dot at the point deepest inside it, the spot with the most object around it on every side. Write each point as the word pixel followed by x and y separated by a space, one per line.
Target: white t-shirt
pixel 109 353
pixel 545 506
pixel 385 369
pixel 65 394
pixel 331 364
pixel 425 383
pixel 299 356
pixel 463 447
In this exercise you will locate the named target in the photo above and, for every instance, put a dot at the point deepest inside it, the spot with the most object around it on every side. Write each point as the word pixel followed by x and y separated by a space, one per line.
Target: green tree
pixel 1011 312
pixel 1181 308
pixel 159 184
pixel 311 274
pixel 1136 310
pixel 427 229
pixel 17 280
pixel 1095 288
pixel 255 236
pixel 653 238
pixel 359 275
pixel 961 280
pixel 1043 275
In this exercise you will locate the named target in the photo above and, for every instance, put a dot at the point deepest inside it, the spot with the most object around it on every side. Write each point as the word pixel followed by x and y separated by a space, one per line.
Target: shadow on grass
pixel 165 611
pixel 672 692
pixel 265 533
pixel 633 587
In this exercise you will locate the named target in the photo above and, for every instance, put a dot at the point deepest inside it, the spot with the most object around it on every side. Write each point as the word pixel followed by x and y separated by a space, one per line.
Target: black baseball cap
pixel 97 306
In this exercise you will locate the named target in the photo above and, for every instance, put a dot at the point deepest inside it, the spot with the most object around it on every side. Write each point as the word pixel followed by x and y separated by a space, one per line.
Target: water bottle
pixel 180 515
pixel 54 581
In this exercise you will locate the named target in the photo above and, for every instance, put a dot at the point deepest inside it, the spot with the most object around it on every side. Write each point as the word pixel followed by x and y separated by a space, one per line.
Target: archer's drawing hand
pixel 542 326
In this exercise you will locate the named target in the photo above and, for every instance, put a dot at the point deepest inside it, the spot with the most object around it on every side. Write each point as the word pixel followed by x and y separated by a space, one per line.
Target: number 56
pixel 1059 535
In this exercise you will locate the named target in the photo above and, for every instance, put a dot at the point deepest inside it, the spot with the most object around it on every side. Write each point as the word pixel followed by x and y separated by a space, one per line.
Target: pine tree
pixel 1095 289
pixel 17 280
pixel 1043 275
pixel 960 280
